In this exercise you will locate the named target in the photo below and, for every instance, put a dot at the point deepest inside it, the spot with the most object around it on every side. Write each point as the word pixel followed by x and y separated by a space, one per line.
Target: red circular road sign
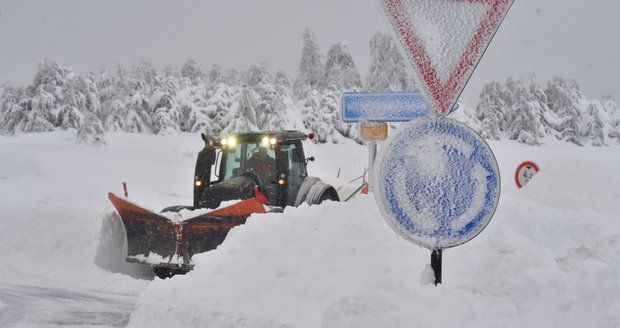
pixel 525 172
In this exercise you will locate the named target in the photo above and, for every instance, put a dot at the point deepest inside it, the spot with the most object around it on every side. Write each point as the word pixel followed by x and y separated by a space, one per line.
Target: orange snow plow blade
pixel 160 242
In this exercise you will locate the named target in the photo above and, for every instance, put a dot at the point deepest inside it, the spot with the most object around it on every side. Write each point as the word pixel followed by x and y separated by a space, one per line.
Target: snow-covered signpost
pixel 373 109
pixel 437 182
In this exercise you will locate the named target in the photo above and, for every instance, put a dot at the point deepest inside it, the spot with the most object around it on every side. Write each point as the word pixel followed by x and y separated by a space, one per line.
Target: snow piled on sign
pixel 445 28
pixel 439 183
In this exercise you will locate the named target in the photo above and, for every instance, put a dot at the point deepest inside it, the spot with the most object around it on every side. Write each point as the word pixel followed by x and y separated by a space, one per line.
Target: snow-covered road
pixel 30 306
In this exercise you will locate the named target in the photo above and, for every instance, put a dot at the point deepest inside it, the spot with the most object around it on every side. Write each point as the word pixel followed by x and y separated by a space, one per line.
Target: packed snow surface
pixel 550 256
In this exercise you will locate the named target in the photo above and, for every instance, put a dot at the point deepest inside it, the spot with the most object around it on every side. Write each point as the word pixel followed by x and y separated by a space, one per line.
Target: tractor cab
pixel 232 168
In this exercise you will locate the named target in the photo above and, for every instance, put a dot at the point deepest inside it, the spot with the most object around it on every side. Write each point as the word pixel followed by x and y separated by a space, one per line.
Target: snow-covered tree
pixel 192 71
pixel 241 116
pixel 270 110
pixel 115 121
pixel 145 100
pixel 340 70
pixel 215 74
pixel 489 111
pixel 91 132
pixel 167 114
pixel 613 113
pixel 312 117
pixel 563 100
pixel 593 128
pixel 388 70
pixel 524 128
pixel 138 118
pixel 44 97
pixel 12 110
pixel 311 67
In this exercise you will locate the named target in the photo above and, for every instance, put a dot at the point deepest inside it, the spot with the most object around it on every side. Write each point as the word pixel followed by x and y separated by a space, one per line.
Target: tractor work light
pixel 265 141
pixel 273 141
pixel 282 182
pixel 228 141
pixel 198 183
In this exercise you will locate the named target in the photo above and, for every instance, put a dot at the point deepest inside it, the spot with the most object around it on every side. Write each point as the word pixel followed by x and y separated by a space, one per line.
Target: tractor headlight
pixel 232 141
pixel 265 141
pixel 224 142
pixel 273 141
pixel 198 183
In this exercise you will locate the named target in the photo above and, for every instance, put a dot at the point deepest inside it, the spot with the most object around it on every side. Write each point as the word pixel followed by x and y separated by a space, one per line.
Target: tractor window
pixel 233 163
pixel 250 157
pixel 254 149
pixel 215 168
pixel 261 161
pixel 296 167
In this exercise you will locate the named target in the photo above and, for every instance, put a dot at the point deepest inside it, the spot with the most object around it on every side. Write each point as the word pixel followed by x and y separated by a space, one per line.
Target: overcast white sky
pixel 570 38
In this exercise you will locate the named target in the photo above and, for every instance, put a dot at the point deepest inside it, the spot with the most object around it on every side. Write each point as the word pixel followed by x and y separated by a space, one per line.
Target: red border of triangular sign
pixel 444 95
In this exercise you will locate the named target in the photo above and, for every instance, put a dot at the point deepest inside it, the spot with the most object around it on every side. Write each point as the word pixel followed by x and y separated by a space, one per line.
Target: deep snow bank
pixel 550 257
pixel 53 200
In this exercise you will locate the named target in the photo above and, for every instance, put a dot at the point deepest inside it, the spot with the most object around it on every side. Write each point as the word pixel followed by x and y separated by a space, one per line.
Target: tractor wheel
pixel 329 194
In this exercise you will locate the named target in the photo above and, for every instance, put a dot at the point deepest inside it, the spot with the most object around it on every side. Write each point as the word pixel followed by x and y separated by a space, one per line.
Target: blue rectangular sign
pixel 382 106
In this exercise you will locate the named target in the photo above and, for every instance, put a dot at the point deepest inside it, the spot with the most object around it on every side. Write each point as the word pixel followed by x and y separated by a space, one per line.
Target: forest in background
pixel 218 101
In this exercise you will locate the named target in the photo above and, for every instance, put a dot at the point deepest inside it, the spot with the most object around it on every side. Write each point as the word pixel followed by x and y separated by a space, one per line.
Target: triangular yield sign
pixel 445 40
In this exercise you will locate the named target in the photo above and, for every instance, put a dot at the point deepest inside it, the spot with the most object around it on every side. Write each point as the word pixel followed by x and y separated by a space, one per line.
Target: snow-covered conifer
pixel 563 96
pixel 241 117
pixel 311 67
pixel 613 112
pixel 11 109
pixel 388 70
pixel 215 74
pixel 489 111
pixel 593 127
pixel 91 132
pixel 340 70
pixel 192 71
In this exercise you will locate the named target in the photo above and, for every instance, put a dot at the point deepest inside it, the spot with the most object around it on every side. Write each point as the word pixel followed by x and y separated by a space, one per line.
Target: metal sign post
pixel 436 264
pixel 372 154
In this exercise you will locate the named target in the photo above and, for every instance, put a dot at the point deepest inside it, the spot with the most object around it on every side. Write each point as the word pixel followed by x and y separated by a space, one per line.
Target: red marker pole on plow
pixel 125 189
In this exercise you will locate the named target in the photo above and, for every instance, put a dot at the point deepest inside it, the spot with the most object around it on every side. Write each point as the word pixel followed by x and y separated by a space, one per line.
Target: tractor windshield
pixel 251 159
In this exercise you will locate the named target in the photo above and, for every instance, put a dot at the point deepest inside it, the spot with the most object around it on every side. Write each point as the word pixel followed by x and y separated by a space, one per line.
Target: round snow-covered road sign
pixel 437 183
pixel 525 172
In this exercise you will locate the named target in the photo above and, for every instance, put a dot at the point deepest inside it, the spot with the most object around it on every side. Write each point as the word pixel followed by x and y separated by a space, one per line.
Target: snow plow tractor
pixel 257 172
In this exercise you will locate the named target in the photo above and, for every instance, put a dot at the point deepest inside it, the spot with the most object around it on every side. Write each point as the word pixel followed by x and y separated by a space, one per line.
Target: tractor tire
pixel 320 192
pixel 329 194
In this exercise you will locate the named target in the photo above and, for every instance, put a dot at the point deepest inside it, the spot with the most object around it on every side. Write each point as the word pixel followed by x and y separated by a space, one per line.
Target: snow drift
pixel 549 257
